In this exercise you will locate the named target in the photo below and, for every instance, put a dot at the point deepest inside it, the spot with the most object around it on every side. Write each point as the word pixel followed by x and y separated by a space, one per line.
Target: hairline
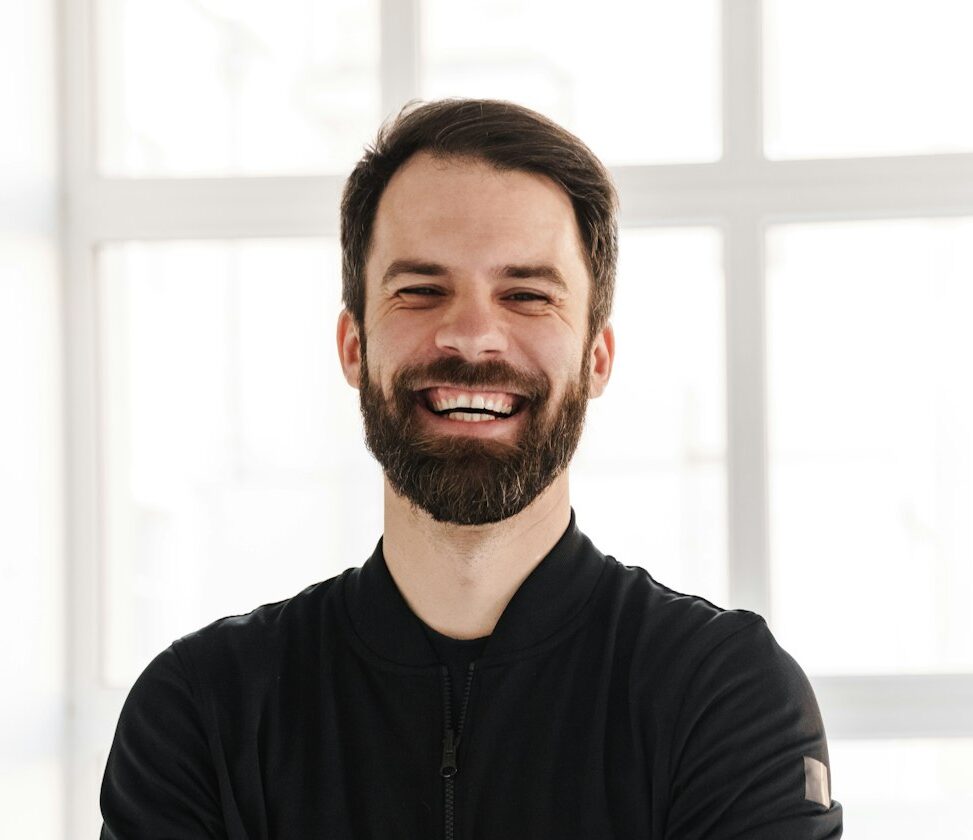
pixel 447 157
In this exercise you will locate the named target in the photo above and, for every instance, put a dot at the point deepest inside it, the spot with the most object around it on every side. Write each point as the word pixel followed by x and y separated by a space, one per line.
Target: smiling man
pixel 487 672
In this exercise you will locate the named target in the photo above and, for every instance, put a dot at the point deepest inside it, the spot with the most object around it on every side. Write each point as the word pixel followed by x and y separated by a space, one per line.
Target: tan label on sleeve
pixel 816 782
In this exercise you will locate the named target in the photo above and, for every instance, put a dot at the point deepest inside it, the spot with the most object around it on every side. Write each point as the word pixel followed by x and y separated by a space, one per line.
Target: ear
pixel 349 348
pixel 601 358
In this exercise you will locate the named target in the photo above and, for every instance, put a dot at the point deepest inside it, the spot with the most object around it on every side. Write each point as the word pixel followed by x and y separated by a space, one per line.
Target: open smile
pixel 463 405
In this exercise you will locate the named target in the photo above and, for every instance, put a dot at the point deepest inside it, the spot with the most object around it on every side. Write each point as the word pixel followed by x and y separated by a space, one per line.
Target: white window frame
pixel 742 194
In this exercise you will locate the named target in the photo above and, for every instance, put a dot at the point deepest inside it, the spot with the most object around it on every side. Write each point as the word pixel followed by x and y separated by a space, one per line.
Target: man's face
pixel 474 371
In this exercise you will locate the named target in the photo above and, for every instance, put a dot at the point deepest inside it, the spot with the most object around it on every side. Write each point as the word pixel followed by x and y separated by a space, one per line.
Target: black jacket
pixel 604 705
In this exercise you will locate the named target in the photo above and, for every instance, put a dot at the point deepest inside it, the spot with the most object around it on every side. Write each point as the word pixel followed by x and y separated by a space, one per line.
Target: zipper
pixel 449 768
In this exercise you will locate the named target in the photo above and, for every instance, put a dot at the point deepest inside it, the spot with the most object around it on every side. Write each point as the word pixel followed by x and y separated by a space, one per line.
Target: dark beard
pixel 465 480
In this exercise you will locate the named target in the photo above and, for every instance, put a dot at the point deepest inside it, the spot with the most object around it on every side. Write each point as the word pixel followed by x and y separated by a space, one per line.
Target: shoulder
pixel 691 656
pixel 221 671
pixel 739 715
pixel 684 648
pixel 676 627
pixel 252 647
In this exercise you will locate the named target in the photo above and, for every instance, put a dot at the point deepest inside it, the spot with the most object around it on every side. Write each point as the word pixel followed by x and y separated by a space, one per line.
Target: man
pixel 487 673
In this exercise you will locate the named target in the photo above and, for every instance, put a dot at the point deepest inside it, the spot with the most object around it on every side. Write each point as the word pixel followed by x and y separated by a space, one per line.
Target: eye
pixel 528 297
pixel 420 291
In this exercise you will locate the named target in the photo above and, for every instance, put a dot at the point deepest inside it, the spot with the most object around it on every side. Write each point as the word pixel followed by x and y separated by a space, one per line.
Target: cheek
pixel 397 340
pixel 563 365
pixel 382 346
pixel 385 358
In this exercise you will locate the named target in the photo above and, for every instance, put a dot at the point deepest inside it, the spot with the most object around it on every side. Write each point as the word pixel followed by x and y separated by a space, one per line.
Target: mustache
pixel 495 374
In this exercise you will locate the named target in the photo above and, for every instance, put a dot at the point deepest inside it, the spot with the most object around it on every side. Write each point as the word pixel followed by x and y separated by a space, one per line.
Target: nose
pixel 472 328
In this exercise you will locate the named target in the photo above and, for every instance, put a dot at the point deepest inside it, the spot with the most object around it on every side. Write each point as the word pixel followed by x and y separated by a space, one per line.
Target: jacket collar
pixel 553 593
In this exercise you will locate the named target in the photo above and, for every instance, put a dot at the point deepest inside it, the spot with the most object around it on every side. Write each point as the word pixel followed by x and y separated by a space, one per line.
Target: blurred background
pixel 789 428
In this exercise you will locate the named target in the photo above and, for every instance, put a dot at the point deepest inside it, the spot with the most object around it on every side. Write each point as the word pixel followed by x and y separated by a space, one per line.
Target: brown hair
pixel 507 136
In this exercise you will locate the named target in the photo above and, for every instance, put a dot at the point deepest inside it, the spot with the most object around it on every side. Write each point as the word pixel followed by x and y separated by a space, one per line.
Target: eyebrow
pixel 426 269
pixel 518 272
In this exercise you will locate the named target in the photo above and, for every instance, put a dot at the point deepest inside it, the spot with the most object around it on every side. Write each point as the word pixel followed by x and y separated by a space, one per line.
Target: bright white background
pixel 790 424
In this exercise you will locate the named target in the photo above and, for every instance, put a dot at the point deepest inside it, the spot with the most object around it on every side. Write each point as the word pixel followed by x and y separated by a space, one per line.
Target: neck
pixel 459 578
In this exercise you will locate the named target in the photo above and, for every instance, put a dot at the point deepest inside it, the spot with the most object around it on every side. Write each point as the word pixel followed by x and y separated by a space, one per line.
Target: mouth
pixel 469 405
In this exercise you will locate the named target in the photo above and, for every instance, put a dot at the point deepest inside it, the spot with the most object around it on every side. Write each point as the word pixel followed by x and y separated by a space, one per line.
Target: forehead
pixel 465 210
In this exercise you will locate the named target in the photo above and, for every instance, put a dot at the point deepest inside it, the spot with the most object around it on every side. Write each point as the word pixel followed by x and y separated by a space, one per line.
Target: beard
pixel 460 479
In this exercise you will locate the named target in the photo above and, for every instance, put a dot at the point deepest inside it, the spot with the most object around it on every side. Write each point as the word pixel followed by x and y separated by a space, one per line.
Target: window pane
pixel 224 87
pixel 33 551
pixel 867 78
pixel 900 790
pixel 871 443
pixel 232 477
pixel 31 548
pixel 638 82
pixel 649 482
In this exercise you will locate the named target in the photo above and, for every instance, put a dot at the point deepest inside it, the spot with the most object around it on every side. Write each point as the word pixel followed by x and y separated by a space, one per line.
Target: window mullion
pixel 82 569
pixel 896 706
pixel 228 208
pixel 399 53
pixel 742 82
pixel 746 406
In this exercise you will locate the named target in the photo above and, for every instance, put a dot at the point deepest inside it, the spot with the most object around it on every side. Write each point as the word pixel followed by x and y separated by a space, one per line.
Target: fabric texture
pixel 603 705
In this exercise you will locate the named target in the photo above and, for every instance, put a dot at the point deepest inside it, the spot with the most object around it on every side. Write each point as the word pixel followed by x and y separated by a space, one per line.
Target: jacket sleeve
pixel 159 781
pixel 749 751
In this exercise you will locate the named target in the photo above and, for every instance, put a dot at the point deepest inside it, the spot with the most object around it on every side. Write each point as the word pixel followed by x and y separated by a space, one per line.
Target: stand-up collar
pixel 553 593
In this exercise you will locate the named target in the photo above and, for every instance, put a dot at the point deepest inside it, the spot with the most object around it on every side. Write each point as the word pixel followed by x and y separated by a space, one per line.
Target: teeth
pixel 475 402
pixel 466 417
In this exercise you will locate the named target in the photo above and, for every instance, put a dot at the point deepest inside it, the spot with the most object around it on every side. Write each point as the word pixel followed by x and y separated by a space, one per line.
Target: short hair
pixel 506 136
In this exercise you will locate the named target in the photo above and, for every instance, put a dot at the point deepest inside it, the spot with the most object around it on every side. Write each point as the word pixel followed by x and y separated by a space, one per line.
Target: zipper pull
pixel 449 768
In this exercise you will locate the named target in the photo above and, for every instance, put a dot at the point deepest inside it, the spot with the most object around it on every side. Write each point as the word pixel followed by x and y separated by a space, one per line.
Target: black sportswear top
pixel 603 705
pixel 456 655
